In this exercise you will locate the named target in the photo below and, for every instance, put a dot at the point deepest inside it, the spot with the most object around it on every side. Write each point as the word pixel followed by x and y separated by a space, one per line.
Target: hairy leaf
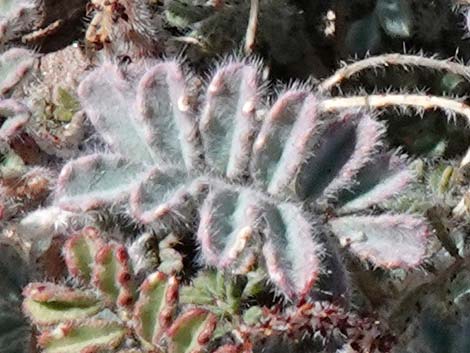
pixel 95 180
pixel 391 241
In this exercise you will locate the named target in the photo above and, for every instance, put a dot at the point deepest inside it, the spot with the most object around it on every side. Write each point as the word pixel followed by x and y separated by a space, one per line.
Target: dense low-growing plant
pixel 157 209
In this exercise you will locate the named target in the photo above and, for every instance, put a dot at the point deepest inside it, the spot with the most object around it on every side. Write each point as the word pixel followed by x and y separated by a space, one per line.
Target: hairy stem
pixel 380 101
pixel 392 59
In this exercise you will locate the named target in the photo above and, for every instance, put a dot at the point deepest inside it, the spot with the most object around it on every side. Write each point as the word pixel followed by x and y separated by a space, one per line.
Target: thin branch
pixel 250 39
pixel 188 40
pixel 43 32
pixel 416 101
pixel 392 59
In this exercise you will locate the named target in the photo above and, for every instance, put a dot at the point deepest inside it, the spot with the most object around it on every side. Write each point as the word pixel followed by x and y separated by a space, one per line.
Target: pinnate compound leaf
pixel 80 251
pixel 109 101
pixel 112 274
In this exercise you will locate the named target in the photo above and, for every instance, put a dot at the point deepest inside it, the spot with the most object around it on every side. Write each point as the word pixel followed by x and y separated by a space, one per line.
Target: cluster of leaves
pixel 102 309
pixel 107 310
pixel 257 189
pixel 273 191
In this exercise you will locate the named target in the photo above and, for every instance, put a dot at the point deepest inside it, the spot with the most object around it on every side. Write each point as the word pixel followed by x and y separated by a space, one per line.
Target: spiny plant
pixel 261 180
pixel 439 188
pixel 323 320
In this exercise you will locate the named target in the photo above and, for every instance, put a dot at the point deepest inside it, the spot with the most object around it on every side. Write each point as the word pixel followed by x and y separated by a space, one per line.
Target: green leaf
pixel 112 274
pixel 11 165
pixel 79 251
pixel 192 331
pixel 252 315
pixel 47 303
pixel 154 310
pixel 255 284
pixel 81 337
pixel 67 105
